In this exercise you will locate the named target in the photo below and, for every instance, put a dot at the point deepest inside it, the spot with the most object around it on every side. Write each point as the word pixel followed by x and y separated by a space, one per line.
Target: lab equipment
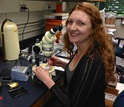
pixel 10 40
pixel 46 46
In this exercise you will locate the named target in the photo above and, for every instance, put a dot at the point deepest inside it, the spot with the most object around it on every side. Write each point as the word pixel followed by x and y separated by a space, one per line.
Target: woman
pixel 90 67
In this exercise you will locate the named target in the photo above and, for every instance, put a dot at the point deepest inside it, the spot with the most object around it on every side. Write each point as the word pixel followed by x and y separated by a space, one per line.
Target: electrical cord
pixel 25 23
pixel 5 72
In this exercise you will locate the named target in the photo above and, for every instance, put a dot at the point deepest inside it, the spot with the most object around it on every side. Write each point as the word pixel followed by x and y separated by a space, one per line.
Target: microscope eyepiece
pixel 36 49
pixel 59 27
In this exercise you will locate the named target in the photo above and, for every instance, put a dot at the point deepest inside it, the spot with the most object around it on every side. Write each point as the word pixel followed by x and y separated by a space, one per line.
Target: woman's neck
pixel 82 48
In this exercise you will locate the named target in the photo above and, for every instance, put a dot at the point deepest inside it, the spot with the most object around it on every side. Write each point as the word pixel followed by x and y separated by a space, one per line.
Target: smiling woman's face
pixel 79 27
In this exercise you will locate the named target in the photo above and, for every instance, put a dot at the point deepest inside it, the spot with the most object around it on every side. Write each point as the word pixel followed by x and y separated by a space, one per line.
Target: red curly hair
pixel 99 36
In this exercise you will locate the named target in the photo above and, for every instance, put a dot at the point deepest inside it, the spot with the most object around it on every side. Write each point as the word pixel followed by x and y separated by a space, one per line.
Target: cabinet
pixel 97 2
pixel 9 6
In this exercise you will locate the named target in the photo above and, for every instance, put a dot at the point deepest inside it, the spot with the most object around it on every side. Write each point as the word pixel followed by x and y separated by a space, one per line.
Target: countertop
pixel 34 90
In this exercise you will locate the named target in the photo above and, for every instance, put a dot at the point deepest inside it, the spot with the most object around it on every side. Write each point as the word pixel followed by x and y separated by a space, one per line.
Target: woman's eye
pixel 80 23
pixel 70 22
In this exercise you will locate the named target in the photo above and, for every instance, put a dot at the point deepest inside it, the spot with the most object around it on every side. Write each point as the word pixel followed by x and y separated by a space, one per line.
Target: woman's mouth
pixel 73 34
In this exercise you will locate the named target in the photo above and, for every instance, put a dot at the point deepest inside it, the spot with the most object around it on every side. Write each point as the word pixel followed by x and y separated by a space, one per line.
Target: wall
pixel 36 24
pixel 37 10
pixel 119 28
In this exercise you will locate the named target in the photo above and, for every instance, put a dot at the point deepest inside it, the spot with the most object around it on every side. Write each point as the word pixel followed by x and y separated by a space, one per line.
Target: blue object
pixel 20 73
pixel 119 101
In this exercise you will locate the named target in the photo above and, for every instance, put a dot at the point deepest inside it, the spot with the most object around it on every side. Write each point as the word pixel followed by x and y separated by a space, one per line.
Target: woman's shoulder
pixel 94 54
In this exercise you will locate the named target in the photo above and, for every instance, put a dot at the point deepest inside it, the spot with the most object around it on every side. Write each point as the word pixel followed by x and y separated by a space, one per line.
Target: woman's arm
pixel 84 82
pixel 43 75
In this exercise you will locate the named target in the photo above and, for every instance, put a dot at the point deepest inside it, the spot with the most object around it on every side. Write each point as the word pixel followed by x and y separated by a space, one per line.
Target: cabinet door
pixel 7 6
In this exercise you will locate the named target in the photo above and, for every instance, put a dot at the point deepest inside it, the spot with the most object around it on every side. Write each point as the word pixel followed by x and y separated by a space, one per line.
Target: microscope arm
pixel 47 43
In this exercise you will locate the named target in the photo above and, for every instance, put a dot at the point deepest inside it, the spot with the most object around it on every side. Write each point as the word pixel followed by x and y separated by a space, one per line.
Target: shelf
pixel 97 0
pixel 69 0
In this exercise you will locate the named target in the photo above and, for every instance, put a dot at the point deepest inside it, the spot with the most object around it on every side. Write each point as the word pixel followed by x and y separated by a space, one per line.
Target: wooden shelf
pixel 68 0
pixel 97 0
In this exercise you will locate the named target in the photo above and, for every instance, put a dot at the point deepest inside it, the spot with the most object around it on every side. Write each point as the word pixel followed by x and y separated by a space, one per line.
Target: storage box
pixel 110 18
pixel 110 21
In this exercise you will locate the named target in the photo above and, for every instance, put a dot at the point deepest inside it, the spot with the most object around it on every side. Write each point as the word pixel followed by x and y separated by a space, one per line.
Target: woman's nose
pixel 73 26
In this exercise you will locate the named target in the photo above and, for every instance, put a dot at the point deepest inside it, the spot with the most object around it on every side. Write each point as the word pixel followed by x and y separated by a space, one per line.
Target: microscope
pixel 46 46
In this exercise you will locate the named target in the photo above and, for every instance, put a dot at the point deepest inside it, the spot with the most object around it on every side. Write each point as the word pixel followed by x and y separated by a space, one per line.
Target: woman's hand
pixel 43 75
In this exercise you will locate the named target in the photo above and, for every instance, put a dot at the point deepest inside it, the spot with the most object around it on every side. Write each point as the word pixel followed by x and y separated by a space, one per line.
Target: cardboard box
pixel 110 21
pixel 110 95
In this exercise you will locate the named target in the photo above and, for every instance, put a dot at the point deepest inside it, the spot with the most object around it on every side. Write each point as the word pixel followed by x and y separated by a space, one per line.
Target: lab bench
pixel 37 94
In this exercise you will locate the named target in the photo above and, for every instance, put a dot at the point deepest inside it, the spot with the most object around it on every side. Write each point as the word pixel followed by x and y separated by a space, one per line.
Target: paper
pixel 120 87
